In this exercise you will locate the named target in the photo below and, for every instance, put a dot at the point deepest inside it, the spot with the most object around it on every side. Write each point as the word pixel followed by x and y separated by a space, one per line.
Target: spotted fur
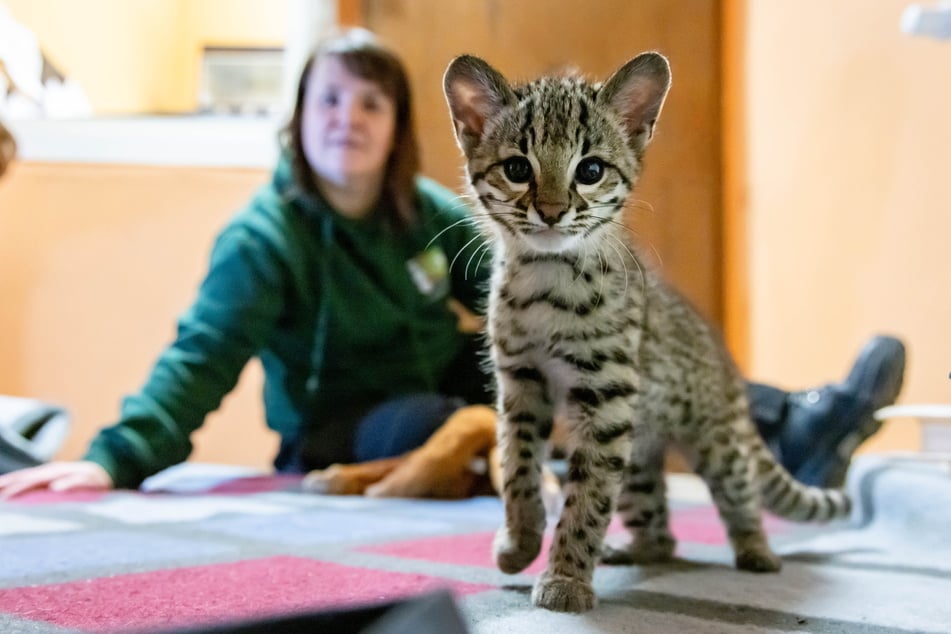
pixel 582 332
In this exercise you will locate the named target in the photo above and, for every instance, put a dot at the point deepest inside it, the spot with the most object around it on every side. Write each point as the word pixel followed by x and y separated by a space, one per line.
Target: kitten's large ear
pixel 636 92
pixel 475 92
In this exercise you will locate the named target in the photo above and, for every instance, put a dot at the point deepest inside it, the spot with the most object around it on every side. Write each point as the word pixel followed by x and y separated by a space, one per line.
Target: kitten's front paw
pixel 641 553
pixel 515 555
pixel 758 561
pixel 563 594
pixel 754 554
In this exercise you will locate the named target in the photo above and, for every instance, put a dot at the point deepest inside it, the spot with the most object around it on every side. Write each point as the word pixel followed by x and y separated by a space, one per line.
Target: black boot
pixel 821 428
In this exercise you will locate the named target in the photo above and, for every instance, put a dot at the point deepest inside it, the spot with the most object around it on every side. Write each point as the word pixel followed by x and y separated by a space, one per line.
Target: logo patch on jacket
pixel 430 272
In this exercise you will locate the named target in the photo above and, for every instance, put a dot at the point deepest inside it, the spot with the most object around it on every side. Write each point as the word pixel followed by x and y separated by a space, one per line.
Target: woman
pixel 337 277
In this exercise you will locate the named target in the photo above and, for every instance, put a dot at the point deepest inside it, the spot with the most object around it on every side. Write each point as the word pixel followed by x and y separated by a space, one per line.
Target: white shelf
pixel 206 141
pixel 935 420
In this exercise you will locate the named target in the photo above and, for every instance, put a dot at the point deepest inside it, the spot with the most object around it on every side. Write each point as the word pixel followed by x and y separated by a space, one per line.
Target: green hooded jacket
pixel 339 312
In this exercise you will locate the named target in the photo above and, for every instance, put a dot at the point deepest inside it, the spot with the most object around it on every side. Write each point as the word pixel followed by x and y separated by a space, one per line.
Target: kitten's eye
pixel 517 169
pixel 589 170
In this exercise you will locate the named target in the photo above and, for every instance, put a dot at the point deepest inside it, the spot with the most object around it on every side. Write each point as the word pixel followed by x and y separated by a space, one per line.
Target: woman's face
pixel 348 124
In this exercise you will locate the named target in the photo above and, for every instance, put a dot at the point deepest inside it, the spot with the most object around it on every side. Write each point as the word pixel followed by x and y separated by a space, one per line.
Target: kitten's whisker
pixel 500 203
pixel 660 260
pixel 637 263
pixel 642 204
pixel 603 275
pixel 459 202
pixel 487 250
pixel 623 262
pixel 465 273
pixel 485 246
pixel 464 247
pixel 453 225
pixel 585 253
pixel 633 232
pixel 603 206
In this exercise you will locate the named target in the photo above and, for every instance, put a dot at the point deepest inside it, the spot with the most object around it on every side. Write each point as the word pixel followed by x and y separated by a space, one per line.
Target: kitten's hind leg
pixel 642 507
pixel 524 424
pixel 726 466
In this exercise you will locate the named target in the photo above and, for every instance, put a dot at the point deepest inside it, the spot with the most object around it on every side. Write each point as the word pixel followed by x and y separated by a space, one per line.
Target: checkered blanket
pixel 192 552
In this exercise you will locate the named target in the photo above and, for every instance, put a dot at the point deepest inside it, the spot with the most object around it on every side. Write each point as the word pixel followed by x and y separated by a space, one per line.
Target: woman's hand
pixel 56 476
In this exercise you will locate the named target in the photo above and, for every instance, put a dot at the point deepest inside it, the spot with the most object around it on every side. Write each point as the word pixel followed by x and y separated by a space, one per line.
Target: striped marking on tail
pixel 786 497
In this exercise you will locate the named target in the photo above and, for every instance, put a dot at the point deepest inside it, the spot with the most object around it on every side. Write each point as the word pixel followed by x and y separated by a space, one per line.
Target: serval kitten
pixel 580 330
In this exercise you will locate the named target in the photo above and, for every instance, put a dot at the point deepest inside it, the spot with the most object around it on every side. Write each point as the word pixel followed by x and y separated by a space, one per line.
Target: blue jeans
pixel 356 434
pixel 402 424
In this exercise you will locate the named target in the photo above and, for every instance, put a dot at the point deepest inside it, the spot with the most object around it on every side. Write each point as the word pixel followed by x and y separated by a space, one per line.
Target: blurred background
pixel 796 190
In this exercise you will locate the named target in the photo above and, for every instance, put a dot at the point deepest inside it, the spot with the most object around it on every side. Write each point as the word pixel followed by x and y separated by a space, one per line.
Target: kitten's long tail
pixel 787 497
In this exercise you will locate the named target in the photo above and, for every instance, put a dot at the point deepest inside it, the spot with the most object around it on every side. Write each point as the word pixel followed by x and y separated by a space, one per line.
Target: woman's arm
pixel 233 316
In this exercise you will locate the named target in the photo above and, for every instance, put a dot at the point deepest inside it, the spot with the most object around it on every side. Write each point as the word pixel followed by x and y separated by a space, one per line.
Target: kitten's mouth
pixel 549 239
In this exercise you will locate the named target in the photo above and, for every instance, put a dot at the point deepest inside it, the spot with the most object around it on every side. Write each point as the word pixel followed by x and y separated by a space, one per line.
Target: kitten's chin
pixel 550 241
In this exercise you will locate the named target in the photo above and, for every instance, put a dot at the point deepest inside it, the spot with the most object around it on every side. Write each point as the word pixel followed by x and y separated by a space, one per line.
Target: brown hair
pixel 365 57
pixel 8 148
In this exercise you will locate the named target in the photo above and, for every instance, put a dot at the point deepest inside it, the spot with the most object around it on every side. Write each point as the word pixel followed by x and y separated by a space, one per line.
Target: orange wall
pixel 843 168
pixel 143 56
pixel 97 263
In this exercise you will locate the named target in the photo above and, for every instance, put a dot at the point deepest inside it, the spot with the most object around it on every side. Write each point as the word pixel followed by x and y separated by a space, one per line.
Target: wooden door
pixel 678 210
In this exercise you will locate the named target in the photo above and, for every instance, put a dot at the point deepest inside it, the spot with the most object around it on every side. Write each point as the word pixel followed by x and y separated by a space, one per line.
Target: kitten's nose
pixel 551 212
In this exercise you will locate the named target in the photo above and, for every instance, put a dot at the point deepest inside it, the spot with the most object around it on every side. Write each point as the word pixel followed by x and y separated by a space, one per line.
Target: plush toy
pixel 458 461
pixel 452 464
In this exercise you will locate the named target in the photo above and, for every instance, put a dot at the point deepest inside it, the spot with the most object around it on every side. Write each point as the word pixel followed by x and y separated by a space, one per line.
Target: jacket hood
pixel 283 176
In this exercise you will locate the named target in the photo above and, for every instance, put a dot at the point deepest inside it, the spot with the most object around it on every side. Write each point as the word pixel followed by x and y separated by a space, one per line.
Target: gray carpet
pixel 199 554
